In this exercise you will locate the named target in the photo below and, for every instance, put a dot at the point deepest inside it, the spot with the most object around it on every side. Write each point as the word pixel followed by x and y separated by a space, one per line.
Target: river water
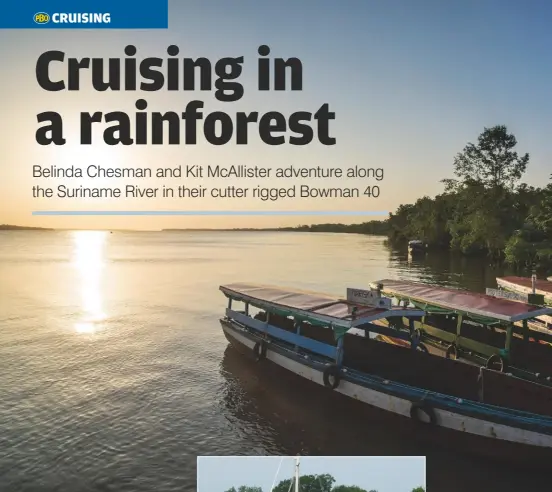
pixel 115 374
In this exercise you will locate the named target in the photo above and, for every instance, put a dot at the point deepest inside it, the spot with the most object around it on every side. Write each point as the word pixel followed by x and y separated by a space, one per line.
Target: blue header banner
pixel 85 14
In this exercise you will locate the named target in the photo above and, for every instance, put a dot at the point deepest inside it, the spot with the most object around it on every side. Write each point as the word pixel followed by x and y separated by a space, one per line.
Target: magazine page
pixel 255 246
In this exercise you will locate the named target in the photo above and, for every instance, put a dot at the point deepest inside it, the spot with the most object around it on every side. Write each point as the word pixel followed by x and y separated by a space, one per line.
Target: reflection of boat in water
pixel 498 333
pixel 284 414
pixel 416 247
pixel 275 412
pixel 311 335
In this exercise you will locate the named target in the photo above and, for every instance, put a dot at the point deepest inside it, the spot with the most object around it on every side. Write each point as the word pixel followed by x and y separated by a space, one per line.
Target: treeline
pixel 311 483
pixel 8 227
pixel 484 210
pixel 374 227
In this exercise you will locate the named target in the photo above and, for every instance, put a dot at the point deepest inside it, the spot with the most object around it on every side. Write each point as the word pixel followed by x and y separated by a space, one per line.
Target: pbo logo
pixel 41 18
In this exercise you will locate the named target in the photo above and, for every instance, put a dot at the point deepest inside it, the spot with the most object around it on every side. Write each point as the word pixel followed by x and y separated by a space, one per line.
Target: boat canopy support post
pixel 339 352
pixel 297 325
pixel 247 309
pixel 411 325
pixel 459 322
pixel 508 344
pixel 525 330
pixel 266 325
pixel 229 303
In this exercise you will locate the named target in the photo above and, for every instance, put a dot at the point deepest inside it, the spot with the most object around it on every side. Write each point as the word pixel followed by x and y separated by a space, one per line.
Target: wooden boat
pixel 415 246
pixel 528 290
pixel 499 333
pixel 327 341
pixel 527 287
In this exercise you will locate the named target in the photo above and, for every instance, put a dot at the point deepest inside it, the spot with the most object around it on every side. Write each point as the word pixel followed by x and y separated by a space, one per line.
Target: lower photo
pixel 311 474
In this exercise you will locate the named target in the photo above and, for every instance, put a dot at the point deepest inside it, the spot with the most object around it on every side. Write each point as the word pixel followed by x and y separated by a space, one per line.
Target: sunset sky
pixel 410 82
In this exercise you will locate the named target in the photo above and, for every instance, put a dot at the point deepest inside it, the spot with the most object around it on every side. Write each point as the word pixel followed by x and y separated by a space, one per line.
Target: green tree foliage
pixel 374 227
pixel 312 483
pixel 492 162
pixel 308 483
pixel 245 488
pixel 349 488
pixel 484 210
pixel 531 245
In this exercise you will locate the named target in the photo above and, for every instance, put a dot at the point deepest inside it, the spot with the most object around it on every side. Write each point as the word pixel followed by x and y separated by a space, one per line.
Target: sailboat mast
pixel 297 474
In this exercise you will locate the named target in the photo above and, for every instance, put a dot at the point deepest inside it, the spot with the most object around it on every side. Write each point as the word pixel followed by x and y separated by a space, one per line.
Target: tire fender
pixel 452 352
pixel 420 407
pixel 260 350
pixel 332 371
pixel 422 348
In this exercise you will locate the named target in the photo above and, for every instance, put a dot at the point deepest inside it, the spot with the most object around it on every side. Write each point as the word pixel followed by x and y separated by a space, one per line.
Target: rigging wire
pixel 276 476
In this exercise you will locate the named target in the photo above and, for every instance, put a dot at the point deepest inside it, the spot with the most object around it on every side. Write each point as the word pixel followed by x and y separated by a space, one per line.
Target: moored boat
pixel 499 333
pixel 527 287
pixel 327 340
pixel 415 246
pixel 529 290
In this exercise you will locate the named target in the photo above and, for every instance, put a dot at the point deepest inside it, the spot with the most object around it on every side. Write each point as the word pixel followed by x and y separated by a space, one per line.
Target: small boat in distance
pixel 329 341
pixel 415 246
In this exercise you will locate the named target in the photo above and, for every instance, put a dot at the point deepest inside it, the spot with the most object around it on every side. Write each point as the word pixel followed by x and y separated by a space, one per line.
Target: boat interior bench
pixel 524 354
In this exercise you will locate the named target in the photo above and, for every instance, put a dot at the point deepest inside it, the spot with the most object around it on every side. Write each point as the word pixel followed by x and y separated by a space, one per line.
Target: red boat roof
pixel 463 301
pixel 313 305
pixel 525 284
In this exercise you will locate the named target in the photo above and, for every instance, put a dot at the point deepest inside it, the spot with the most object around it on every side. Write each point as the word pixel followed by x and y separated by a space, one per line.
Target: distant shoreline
pixel 8 227
pixel 373 228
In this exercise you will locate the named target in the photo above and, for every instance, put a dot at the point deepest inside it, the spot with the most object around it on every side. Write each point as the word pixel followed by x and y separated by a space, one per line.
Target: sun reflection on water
pixel 89 260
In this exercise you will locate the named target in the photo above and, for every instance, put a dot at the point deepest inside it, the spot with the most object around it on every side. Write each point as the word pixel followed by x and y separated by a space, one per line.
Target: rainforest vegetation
pixel 484 209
